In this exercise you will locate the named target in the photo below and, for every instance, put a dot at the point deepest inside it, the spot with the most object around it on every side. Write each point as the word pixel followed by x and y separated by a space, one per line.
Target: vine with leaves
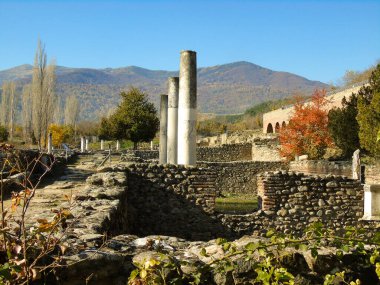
pixel 27 254
pixel 263 256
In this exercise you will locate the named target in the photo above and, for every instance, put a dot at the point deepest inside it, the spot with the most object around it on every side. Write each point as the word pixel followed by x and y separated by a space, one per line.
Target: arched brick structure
pixel 283 114
pixel 277 127
pixel 283 125
pixel 269 129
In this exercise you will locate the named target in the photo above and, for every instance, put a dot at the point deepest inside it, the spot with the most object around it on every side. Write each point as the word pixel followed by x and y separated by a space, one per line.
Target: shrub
pixel 3 134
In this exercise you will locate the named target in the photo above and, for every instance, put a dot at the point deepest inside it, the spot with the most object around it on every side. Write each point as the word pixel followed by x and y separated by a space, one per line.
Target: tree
pixel 4 104
pixel 307 131
pixel 60 134
pixel 134 119
pixel 12 108
pixel 369 113
pixel 71 111
pixel 8 106
pixel 346 138
pixel 27 112
pixel 43 94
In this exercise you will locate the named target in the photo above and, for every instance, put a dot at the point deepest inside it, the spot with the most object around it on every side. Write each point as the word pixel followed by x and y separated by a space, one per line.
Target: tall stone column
pixel 50 143
pixel 117 145
pixel 86 144
pixel 163 129
pixel 173 89
pixel 187 108
pixel 101 144
pixel 151 145
pixel 82 142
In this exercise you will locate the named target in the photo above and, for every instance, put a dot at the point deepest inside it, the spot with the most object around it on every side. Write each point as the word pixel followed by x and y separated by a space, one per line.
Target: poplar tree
pixel 43 94
pixel 27 112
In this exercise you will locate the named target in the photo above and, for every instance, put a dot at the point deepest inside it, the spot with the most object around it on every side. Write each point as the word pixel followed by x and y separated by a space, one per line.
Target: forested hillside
pixel 222 89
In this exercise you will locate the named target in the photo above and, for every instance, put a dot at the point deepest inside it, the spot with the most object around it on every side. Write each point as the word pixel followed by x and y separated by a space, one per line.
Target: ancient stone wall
pixel 240 176
pixel 290 202
pixel 227 152
pixel 265 149
pixel 144 154
pixel 372 174
pixel 172 200
pixel 322 167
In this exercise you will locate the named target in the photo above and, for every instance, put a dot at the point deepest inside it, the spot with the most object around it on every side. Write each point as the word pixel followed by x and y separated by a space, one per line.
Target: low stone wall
pixel 179 201
pixel 227 152
pixel 322 167
pixel 240 176
pixel 372 174
pixel 265 149
pixel 291 202
pixel 172 200
pixel 144 154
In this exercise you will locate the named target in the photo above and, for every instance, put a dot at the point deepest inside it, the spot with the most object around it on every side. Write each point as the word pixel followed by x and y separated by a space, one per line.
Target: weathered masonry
pixel 146 199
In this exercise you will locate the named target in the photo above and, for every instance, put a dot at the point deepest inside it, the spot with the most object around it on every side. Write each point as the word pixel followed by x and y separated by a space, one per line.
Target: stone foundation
pixel 225 153
pixel 322 167
pixel 240 176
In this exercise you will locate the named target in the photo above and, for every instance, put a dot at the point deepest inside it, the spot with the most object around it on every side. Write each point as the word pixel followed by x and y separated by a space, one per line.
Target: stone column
pixel 82 144
pixel 356 165
pixel 86 144
pixel 151 145
pixel 101 144
pixel 173 89
pixel 371 202
pixel 117 145
pixel 187 109
pixel 50 143
pixel 163 129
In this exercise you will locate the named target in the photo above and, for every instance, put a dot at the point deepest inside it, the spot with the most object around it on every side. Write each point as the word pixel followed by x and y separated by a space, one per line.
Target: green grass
pixel 236 204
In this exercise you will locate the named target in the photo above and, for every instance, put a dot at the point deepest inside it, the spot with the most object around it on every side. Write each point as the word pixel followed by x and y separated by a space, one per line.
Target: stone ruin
pixel 142 206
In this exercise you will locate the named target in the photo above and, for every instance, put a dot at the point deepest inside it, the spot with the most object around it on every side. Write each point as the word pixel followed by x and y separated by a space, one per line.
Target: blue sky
pixel 316 39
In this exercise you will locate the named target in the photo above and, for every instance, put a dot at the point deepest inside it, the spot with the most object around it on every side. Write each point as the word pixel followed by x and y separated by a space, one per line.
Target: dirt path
pixel 53 193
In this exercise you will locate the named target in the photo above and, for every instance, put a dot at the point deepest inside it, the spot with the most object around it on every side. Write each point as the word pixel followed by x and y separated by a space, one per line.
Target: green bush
pixel 3 134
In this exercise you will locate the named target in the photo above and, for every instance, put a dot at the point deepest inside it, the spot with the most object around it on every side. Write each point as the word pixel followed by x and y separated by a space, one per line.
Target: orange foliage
pixel 307 131
pixel 59 133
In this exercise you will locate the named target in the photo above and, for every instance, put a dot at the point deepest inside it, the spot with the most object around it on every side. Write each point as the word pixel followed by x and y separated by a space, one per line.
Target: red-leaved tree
pixel 307 131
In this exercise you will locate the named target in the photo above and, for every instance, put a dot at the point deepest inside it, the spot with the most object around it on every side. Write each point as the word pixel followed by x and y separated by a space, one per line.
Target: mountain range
pixel 222 89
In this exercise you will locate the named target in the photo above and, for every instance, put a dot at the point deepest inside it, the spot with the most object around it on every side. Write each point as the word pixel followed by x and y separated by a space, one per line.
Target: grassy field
pixel 236 204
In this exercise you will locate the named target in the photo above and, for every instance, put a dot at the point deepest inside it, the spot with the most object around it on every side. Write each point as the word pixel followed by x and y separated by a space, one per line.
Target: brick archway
pixel 277 128
pixel 270 129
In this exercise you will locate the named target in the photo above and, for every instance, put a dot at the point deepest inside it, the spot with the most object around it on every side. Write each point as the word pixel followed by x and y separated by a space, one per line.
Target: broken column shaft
pixel 82 144
pixel 163 129
pixel 187 108
pixel 173 89
pixel 50 143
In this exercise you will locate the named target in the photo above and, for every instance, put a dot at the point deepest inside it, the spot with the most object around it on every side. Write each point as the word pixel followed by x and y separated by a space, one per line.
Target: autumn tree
pixel 369 113
pixel 343 126
pixel 135 119
pixel 307 131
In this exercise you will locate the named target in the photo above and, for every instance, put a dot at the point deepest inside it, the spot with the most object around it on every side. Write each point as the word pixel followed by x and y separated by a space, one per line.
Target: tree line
pixel 40 105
